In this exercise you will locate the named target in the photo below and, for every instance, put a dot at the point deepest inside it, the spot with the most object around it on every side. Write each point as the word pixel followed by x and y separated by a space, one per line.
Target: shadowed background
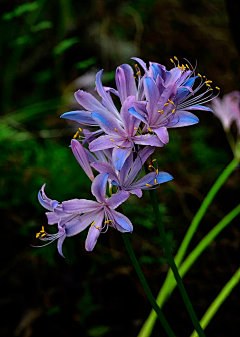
pixel 49 49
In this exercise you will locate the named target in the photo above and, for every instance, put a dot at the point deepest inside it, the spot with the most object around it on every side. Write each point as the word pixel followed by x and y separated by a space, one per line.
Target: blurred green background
pixel 49 49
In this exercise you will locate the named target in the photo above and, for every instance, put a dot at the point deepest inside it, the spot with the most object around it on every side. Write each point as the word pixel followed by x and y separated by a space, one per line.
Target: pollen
pixel 166 104
pixel 118 147
pixel 150 166
pixel 149 129
pixel 161 111
pixel 76 134
pixel 93 223
pixel 217 88
pixel 173 111
pixel 149 185
pixel 208 85
pixel 136 65
pixel 112 140
pixel 170 101
pixel 135 128
pixel 80 129
pixel 97 227
pixel 154 160
pixel 175 58
pixel 138 73
pixel 123 147
pixel 79 137
pixel 155 181
pixel 157 171
pixel 172 60
pixel 208 82
pixel 199 75
pixel 116 129
pixel 108 221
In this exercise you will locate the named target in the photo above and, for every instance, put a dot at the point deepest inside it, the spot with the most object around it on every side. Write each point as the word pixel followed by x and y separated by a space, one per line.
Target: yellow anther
pixel 108 221
pixel 148 185
pixel 112 140
pixel 210 89
pixel 172 60
pixel 179 67
pixel 42 231
pixel 199 75
pixel 217 88
pixel 37 235
pixel 135 128
pixel 79 137
pixel 175 58
pixel 134 76
pixel 76 134
pixel 93 223
pixel 170 101
pixel 208 85
pixel 155 181
pixel 116 129
pixel 208 82
pixel 136 65
pixel 118 147
pixel 154 160
pixel 43 234
pixel 139 72
pixel 173 111
pixel 157 171
pixel 150 166
pixel 166 104
pixel 149 129
pixel 204 76
pixel 123 147
pixel 183 66
pixel 97 227
pixel 187 66
pixel 80 129
pixel 161 111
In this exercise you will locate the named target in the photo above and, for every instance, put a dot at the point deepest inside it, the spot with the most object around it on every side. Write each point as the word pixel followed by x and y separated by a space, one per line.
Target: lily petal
pixel 88 101
pixel 94 232
pixel 83 117
pixel 99 186
pixel 79 205
pixel 117 199
pixel 81 156
pixel 199 107
pixel 130 122
pixel 102 143
pixel 162 134
pixel 125 82
pixel 119 157
pixel 102 167
pixel 121 222
pixel 182 118
pixel 148 139
pixel 108 123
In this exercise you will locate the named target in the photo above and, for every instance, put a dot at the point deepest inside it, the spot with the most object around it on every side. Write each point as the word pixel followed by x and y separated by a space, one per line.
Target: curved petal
pixel 182 118
pixel 148 139
pixel 105 96
pixel 99 186
pixel 119 157
pixel 102 143
pixel 137 115
pixel 137 192
pixel 118 199
pixel 123 174
pixel 108 123
pixel 141 62
pixel 152 95
pixel 60 243
pixel 199 107
pixel 125 82
pixel 130 122
pixel 94 232
pixel 81 156
pixel 162 134
pixel 79 206
pixel 105 168
pixel 121 222
pixel 88 101
pixel 79 223
pixel 45 201
pixel 52 218
pixel 83 117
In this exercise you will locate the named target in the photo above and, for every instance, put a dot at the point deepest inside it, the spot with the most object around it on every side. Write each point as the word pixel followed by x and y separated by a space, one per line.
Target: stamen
pixel 187 66
pixel 118 147
pixel 93 223
pixel 138 72
pixel 208 82
pixel 173 111
pixel 150 166
pixel 175 58
pixel 208 85
pixel 116 129
pixel 199 75
pixel 166 104
pixel 149 129
pixel 112 140
pixel 155 181
pixel 80 129
pixel 123 147
pixel 157 171
pixel 108 221
pixel 135 128
pixel 217 88
pixel 97 227
pixel 172 60
pixel 161 111
pixel 76 134
pixel 154 160
pixel 136 65
pixel 148 185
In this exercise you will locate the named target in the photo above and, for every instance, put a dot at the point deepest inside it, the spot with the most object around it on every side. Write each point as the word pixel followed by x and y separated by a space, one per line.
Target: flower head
pixel 73 216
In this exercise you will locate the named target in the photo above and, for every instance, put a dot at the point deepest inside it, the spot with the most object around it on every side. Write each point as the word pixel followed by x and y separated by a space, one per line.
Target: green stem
pixel 173 265
pixel 168 288
pixel 211 311
pixel 146 287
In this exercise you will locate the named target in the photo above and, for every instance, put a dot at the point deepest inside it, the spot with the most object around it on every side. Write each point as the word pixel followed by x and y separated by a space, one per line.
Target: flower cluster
pixel 152 101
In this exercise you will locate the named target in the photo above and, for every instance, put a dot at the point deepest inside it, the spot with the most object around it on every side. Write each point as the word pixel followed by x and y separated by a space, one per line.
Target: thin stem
pixel 146 287
pixel 168 288
pixel 173 265
pixel 211 311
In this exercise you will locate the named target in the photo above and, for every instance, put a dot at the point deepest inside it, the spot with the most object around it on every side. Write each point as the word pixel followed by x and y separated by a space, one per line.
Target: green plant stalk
pixel 211 311
pixel 168 288
pixel 146 287
pixel 173 266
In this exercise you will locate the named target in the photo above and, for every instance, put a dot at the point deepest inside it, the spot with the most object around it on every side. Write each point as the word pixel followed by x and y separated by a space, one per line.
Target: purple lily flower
pixel 227 109
pixel 121 139
pixel 128 179
pixel 77 214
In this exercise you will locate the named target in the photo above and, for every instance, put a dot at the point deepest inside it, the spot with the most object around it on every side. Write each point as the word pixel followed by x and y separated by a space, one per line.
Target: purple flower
pixel 73 216
pixel 128 179
pixel 227 109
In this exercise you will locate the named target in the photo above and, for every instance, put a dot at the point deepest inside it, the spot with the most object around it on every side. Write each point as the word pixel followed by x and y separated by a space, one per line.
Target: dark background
pixel 49 50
